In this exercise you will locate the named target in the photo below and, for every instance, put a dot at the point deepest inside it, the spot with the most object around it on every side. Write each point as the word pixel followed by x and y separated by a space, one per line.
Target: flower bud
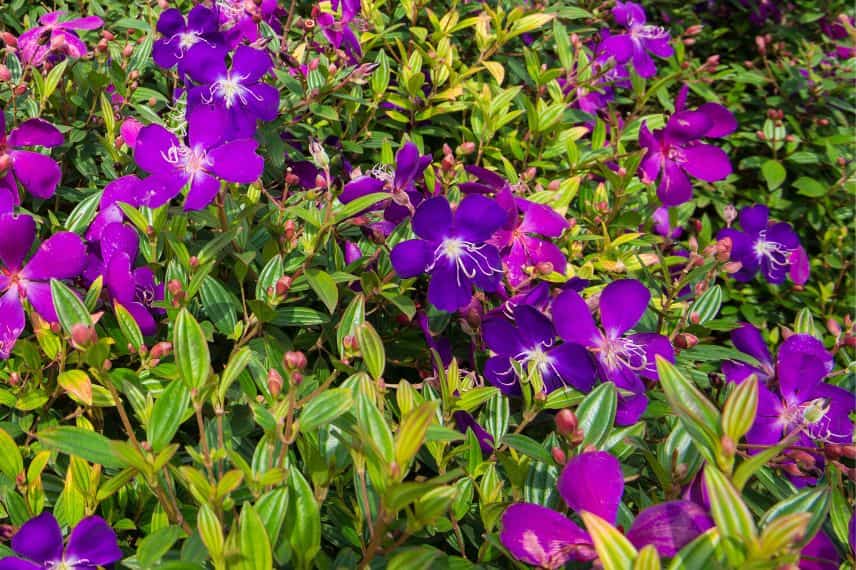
pixel 14 379
pixel 5 74
pixel 292 179
pixel 274 382
pixel 566 422
pixel 20 89
pixel 831 324
pixel 558 455
pixel 5 163
pixel 101 45
pixel 693 30
pixel 544 268
pixel 161 349
pixel 723 249
pixel 294 360
pixel 729 448
pixel 686 340
pixel 283 284
pixel 732 267
pixel 83 335
pixel 174 287
pixel 9 39
pixel 127 50
pixel 466 148
pixel 107 35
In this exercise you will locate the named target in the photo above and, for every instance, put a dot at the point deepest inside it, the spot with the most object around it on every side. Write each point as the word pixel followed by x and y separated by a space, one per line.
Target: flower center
pixel 187 39
pixel 231 89
pixel 191 161
pixel 144 295
pixel 774 252
pixel 648 32
pixel 618 353
pixel 811 417
pixel 469 258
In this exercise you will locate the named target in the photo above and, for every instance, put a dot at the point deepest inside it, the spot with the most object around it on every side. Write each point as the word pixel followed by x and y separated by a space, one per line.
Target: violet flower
pixel 592 482
pixel 201 30
pixel 465 422
pixel 53 38
pixel 198 164
pixel 239 19
pixel 792 395
pixel 531 341
pixel 39 174
pixel 663 226
pixel 38 544
pixel 400 182
pixel 337 29
pixel 771 248
pixel 238 90
pixel 675 151
pixel 31 281
pixel 452 249
pixel 640 39
pixel 622 359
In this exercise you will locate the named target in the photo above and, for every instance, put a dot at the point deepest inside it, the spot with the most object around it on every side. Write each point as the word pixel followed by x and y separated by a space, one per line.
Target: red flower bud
pixel 566 422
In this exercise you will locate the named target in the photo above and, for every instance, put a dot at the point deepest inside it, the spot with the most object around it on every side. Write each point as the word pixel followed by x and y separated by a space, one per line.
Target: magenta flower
pixel 39 174
pixel 39 545
pixel 773 248
pixel 179 37
pixel 465 422
pixel 31 281
pixel 55 38
pixel 592 482
pixel 238 90
pixel 675 151
pixel 452 248
pixel 640 39
pixel 197 164
pixel 531 341
pixel 622 359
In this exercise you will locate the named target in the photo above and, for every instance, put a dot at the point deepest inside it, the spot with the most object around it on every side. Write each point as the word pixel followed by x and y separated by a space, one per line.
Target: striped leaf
pixel 740 409
pixel 614 551
pixel 707 305
pixel 731 514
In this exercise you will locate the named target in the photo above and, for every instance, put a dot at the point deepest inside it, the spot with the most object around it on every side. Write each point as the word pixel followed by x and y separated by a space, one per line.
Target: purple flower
pixel 39 544
pixel 127 189
pixel 238 90
pixel 239 19
pixel 675 151
pixel 531 341
pixel 663 226
pixel 55 37
pixel 640 39
pixel 622 359
pixel 31 281
pixel 772 248
pixel 792 395
pixel 197 164
pixel 592 482
pixel 338 31
pixel 37 173
pixel 452 249
pixel 400 183
pixel 180 37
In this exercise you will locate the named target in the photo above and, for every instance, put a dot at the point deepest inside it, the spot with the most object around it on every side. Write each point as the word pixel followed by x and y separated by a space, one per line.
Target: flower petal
pixel 748 339
pixel 449 290
pixel 38 173
pixel 41 298
pixel 11 321
pixel 93 540
pixel 85 23
pixel 767 429
pixel 433 219
pixel 654 345
pixel 535 328
pixel 477 217
pixel 16 238
pixel 237 161
pixel 410 258
pixel 206 126
pixel 622 304
pixel 820 553
pixel 153 142
pixel 573 364
pixel 202 191
pixel 542 537
pixel 722 120
pixel 361 186
pixel 573 320
pixel 593 482
pixel 675 187
pixel 707 162
pixel 250 64
pixel 753 219
pixel 40 539
pixel 801 364
pixel 541 219
pixel 12 563
pixel 406 165
pixel 35 132
pixel 669 526
pixel 502 337
pixel 65 246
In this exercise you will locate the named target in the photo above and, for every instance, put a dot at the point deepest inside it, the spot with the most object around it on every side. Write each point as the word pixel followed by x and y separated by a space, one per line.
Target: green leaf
pixel 83 213
pixel 529 23
pixel 740 408
pixel 371 348
pixel 70 310
pixel 52 80
pixel 191 350
pixel 412 431
pixel 804 323
pixel 304 520
pixel 731 514
pixel 782 534
pixel 219 305
pixel 211 531
pixel 11 462
pixel 356 206
pixel 707 305
pixel 648 559
pixel 698 553
pixel 237 363
pixel 270 508
pixel 375 428
pixel 816 502
pixel 774 173
pixel 82 443
pixel 325 407
pixel 324 286
pixel 253 540
pixel 614 551
pixel 596 414
pixel 77 384
pixel 810 187
pixel 154 546
pixel 167 414
pixel 527 446
pixel 128 325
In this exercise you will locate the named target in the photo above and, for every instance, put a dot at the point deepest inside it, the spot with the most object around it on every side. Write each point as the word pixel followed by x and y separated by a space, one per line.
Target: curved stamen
pixel 776 254
pixel 617 353
pixel 461 252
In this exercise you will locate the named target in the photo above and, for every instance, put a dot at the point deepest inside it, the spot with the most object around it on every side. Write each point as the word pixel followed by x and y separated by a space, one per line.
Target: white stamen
pixel 777 255
pixel 617 353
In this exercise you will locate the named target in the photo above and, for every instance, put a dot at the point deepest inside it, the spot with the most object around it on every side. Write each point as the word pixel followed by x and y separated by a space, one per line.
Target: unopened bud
pixel 194 262
pixel 283 284
pixel 5 74
pixel 294 360
pixel 174 287
pixel 161 349
pixel 558 455
pixel 466 148
pixel 274 382
pixel 107 35
pixel 288 229
pixel 544 268
pixel 20 89
pixel 686 340
pixel 806 461
pixel 296 378
pixel 729 448
pixel 831 325
pixel 292 179
pixel 9 39
pixel 83 335
pixel 350 343
pixel 693 30
pixel 723 249
pixel 566 422
pixel 792 470
pixel 127 50
pixel 101 45
pixel 14 379
pixel 732 267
